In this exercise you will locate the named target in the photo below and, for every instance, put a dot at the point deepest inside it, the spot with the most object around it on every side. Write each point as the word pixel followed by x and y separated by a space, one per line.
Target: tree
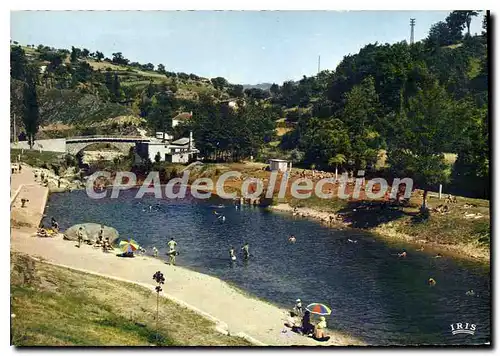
pixel 418 148
pixel 485 25
pixel 256 93
pixel 149 67
pixel 219 83
pixel 161 69
pixel 17 63
pixel 75 53
pixel 163 108
pixel 456 23
pixel 439 35
pixel 85 53
pixel 468 18
pixel 31 114
pixel 235 90
pixel 274 89
pixel 159 279
pixel 99 56
pixel 115 88
pixel 360 114
pixel 334 161
pixel 119 59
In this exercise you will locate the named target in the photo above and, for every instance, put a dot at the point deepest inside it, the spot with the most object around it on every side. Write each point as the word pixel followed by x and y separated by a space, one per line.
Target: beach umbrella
pixel 129 246
pixel 319 309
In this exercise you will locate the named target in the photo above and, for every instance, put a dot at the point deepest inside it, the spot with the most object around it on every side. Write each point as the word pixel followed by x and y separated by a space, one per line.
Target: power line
pixel 412 25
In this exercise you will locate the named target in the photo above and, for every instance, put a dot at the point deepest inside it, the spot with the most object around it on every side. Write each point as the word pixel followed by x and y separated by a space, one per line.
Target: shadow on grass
pixel 369 214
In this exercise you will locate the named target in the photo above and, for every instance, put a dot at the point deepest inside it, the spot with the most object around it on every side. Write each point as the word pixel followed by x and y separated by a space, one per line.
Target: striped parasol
pixel 129 245
pixel 319 309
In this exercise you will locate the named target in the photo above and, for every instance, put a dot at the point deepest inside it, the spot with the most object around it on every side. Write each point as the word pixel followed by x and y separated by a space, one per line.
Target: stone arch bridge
pixel 73 145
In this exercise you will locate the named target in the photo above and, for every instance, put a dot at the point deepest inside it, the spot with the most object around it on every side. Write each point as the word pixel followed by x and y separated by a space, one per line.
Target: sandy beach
pixel 233 311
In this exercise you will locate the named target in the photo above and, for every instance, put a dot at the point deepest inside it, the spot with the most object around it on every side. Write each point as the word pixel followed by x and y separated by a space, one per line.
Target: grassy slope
pixel 54 306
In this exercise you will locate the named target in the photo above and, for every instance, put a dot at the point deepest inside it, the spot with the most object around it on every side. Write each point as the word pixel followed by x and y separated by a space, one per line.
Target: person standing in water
pixel 232 254
pixel 172 252
pixel 246 253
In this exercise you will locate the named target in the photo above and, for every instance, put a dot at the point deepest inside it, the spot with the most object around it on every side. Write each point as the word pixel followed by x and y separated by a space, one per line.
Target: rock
pixel 92 231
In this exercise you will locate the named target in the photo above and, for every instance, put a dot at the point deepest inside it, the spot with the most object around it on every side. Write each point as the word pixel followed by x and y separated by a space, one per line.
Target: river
pixel 375 296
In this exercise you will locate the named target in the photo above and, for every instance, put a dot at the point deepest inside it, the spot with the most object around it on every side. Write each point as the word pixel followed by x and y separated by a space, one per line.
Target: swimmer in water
pixel 431 282
pixel 402 254
pixel 246 253
pixel 231 254
pixel 438 255
pixel 470 292
pixel 292 239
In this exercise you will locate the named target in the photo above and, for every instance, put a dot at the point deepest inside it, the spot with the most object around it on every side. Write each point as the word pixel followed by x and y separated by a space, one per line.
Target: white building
pixel 279 165
pixel 178 151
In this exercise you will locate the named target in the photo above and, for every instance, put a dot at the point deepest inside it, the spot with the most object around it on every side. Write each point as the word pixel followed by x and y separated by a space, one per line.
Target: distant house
pixel 181 117
pixel 279 165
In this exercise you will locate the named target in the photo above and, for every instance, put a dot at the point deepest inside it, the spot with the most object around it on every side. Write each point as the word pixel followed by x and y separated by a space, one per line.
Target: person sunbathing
pixel 41 232
pixel 319 330
pixel 107 246
pixel 99 242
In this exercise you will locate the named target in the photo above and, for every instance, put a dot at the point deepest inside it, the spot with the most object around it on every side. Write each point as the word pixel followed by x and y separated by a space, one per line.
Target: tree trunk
pixel 336 172
pixel 424 200
pixel 157 313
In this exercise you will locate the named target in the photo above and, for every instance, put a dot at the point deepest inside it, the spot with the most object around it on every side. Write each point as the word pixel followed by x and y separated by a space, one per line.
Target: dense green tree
pixel 274 89
pixel 31 114
pixel 361 116
pixel 99 56
pixel 161 69
pixel 219 83
pixel 119 59
pixel 417 151
pixel 163 109
pixel 235 90
pixel 17 63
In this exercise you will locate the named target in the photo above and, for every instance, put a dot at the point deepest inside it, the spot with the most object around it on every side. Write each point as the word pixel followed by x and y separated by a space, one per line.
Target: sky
pixel 245 47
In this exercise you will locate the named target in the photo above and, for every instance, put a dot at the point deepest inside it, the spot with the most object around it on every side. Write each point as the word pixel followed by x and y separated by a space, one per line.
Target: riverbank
pixel 394 231
pixel 56 306
pixel 208 296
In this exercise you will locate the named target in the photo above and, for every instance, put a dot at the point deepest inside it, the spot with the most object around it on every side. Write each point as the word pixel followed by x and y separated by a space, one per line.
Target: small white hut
pixel 278 165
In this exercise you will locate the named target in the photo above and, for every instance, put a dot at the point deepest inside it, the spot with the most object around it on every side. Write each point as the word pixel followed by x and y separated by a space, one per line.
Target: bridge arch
pixel 74 148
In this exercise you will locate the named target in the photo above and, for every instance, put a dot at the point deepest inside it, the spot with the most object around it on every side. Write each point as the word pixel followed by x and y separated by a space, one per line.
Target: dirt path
pixel 256 318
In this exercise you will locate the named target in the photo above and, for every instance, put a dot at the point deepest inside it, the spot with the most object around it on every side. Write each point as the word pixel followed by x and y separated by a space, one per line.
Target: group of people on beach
pixel 299 320
pixel 42 231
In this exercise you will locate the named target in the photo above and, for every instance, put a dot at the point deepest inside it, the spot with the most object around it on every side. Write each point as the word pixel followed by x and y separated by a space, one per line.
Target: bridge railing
pixel 92 137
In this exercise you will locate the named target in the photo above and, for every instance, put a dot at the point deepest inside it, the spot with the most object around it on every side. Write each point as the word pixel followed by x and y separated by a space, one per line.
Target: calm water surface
pixel 375 296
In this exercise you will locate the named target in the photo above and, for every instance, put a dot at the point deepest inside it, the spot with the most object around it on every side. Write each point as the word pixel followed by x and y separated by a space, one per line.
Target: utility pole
pixel 319 63
pixel 412 25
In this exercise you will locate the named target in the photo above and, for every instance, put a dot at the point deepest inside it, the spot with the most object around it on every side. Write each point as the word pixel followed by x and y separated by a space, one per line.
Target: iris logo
pixel 463 328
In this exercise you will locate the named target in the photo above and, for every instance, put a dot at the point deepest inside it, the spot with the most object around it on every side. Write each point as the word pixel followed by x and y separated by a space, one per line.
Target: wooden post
pixel 440 190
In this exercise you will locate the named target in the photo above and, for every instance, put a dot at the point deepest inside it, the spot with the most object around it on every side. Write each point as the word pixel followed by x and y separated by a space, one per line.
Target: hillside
pixel 77 95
